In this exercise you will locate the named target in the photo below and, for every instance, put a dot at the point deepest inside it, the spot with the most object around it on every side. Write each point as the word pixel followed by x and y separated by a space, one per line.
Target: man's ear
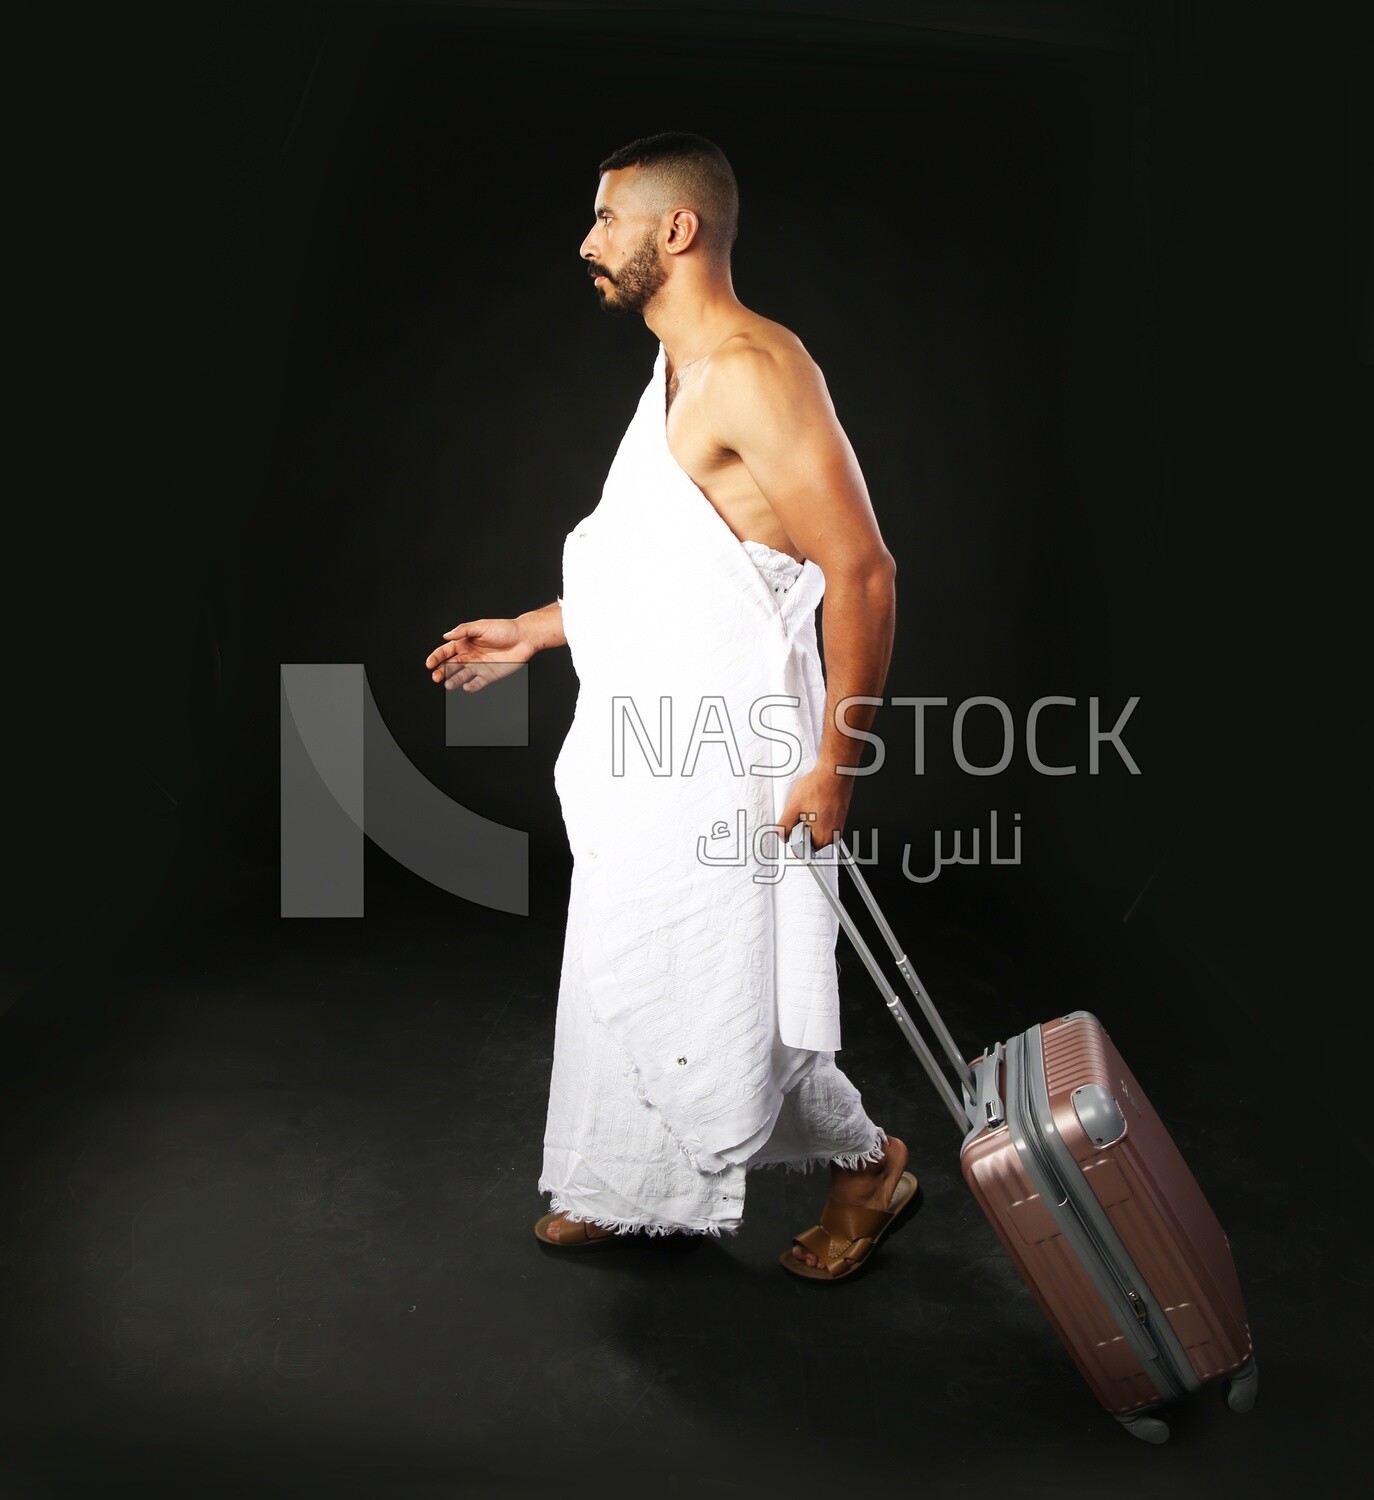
pixel 683 228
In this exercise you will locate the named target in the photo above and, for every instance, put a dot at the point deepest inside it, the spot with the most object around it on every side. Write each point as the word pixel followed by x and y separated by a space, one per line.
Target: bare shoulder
pixel 763 362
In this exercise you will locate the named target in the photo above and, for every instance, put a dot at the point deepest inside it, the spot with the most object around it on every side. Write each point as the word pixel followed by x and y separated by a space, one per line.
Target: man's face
pixel 621 251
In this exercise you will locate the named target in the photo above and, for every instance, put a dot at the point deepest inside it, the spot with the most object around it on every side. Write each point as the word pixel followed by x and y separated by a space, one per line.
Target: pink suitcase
pixel 1090 1198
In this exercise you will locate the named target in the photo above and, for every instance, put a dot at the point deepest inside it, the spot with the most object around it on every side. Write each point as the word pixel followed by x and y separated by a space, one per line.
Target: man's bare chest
pixel 690 440
pixel 718 472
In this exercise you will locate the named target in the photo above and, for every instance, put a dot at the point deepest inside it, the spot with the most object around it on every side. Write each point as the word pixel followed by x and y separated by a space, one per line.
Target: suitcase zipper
pixel 1067 1213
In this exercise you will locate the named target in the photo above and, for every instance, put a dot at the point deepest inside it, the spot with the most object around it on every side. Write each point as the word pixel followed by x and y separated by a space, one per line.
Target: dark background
pixel 307 371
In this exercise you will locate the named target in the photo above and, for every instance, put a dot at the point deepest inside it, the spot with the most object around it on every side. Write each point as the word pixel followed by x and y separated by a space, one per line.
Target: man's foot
pixel 862 1197
pixel 570 1234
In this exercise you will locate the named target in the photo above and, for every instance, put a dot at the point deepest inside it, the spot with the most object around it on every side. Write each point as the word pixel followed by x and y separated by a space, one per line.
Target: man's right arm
pixel 543 627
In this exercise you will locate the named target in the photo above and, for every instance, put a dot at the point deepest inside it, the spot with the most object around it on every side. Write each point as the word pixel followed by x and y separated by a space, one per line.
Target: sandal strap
pixel 849 1232
pixel 572 1231
pixel 830 1251
pixel 848 1221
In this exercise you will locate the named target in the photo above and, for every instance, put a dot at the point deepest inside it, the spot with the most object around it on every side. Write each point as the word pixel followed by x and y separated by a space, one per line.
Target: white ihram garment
pixel 698 1009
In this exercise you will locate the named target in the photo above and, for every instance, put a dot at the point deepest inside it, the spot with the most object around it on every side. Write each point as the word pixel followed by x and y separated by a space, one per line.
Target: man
pixel 698 1009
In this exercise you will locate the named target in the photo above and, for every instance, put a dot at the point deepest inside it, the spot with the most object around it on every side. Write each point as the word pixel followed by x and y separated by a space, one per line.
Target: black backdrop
pixel 307 370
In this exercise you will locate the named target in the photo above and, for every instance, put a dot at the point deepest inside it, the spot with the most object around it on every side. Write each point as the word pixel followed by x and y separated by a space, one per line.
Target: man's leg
pixel 869 1185
pixel 823 1119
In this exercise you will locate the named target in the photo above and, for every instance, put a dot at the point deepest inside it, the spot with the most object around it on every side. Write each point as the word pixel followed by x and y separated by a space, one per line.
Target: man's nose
pixel 588 250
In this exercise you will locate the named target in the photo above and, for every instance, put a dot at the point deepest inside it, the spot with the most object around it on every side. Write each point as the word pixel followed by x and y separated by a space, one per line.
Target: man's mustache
pixel 600 271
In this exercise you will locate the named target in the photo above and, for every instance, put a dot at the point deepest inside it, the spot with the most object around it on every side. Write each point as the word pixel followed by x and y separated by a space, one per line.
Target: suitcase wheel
pixel 1146 1426
pixel 1243 1387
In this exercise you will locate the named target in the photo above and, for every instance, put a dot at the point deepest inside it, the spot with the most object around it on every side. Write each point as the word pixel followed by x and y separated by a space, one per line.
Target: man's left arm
pixel 774 411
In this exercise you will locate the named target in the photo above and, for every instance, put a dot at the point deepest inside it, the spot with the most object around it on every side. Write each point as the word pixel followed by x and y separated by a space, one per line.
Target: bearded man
pixel 698 1012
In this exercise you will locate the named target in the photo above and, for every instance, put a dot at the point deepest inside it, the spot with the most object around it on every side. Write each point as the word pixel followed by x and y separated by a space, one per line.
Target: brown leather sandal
pixel 848 1233
pixel 582 1240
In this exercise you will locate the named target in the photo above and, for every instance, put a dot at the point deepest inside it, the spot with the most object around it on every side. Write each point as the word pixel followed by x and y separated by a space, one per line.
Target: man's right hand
pixel 479 652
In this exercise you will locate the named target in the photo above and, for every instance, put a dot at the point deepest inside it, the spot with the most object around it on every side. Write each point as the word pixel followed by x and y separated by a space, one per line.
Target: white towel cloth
pixel 698 1005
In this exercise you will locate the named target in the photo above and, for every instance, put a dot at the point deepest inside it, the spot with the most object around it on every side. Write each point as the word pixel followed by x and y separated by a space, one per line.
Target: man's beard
pixel 638 281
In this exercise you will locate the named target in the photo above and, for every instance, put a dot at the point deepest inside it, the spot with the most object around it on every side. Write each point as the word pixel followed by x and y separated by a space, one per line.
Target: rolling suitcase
pixel 1090 1199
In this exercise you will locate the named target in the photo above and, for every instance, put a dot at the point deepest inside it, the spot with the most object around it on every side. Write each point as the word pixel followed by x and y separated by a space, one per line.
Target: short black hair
pixel 688 171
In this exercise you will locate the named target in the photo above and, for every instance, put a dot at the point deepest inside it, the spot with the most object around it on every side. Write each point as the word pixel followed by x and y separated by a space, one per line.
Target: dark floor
pixel 270 1195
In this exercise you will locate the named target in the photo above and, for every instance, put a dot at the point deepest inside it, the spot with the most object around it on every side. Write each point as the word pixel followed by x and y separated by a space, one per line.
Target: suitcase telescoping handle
pixel 899 1012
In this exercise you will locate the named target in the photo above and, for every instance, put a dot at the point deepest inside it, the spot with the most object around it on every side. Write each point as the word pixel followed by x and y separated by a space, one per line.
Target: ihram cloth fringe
pixel 610 1157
